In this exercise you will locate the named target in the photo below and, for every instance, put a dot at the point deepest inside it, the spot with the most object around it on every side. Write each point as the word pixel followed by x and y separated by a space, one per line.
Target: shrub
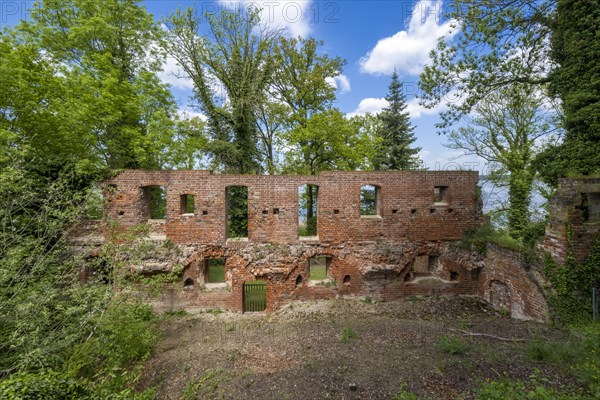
pixel 47 385
pixel 452 345
pixel 347 334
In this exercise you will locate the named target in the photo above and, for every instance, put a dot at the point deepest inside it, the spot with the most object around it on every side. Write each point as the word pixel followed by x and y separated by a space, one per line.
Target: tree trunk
pixel 519 195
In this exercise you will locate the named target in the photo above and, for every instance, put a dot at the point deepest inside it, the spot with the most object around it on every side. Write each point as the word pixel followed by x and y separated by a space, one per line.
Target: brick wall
pixel 406 205
pixel 512 282
pixel 576 204
pixel 406 249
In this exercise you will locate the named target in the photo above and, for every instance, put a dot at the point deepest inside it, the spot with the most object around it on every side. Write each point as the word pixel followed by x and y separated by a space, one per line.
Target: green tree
pixel 575 80
pixel 329 141
pixel 231 64
pixel 500 43
pixel 300 78
pixel 504 132
pixel 103 55
pixel 551 44
pixel 396 132
pixel 300 84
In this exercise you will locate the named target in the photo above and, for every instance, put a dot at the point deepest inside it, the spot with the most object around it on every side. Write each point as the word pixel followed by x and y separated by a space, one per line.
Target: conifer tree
pixel 396 132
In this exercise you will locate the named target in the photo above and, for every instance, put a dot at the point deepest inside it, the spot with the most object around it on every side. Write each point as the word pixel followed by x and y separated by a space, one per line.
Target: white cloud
pixel 340 82
pixel 173 75
pixel 375 105
pixel 293 16
pixel 186 113
pixel 369 105
pixel 408 51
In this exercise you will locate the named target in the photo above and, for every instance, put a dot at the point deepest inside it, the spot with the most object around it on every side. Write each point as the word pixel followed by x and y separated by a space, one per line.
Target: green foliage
pixel 327 141
pixel 158 202
pixel 124 334
pixel 206 386
pixel 86 86
pixel 233 51
pixel 519 390
pixel 504 131
pixel 237 211
pixel 477 239
pixel 498 44
pixel 46 385
pixel 452 345
pixel 348 334
pixel 396 133
pixel 404 394
pixel 572 283
pixel 575 46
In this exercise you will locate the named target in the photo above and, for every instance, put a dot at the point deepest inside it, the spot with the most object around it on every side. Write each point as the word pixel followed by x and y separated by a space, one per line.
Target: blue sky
pixel 373 37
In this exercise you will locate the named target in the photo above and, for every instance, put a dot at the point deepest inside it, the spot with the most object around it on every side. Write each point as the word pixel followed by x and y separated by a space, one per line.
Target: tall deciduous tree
pixel 576 81
pixel 329 141
pixel 504 132
pixel 301 78
pixel 551 44
pixel 500 43
pixel 396 132
pixel 102 52
pixel 230 61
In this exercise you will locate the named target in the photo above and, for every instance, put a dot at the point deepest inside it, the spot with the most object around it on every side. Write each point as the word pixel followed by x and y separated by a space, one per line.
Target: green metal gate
pixel 255 296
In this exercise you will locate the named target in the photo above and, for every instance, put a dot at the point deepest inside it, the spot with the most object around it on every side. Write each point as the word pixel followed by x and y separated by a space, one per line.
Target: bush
pixel 46 385
pixel 125 334
pixel 452 345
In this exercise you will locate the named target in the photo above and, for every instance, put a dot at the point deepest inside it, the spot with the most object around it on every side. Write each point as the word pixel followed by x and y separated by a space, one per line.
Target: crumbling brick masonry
pixel 384 235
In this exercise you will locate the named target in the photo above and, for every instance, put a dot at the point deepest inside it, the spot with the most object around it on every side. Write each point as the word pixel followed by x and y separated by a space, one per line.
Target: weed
pixel 367 300
pixel 205 386
pixel 404 394
pixel 178 313
pixel 452 345
pixel 214 311
pixel 347 334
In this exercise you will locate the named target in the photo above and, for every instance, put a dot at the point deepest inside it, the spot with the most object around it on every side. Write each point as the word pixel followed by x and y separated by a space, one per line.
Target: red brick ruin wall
pixel 406 205
pixel 575 207
pixel 406 249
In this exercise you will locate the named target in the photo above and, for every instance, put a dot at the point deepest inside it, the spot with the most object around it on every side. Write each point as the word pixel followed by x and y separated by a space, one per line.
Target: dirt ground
pixel 345 349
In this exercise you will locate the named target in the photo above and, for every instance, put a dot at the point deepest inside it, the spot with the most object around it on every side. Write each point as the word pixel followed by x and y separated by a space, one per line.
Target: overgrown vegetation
pixel 60 338
pixel 572 283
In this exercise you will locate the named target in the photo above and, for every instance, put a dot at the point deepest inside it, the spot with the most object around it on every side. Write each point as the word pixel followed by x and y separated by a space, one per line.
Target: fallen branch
pixel 465 333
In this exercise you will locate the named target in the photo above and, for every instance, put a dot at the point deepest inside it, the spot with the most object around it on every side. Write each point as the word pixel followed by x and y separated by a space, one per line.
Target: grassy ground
pixel 346 349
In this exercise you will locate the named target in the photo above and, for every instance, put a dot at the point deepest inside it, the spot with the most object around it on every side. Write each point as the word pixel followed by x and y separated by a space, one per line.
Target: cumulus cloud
pixel 369 105
pixel 375 105
pixel 340 82
pixel 292 16
pixel 408 50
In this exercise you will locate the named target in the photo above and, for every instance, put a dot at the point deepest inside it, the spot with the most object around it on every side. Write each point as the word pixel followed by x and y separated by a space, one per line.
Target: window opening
pixel 237 212
pixel 307 210
pixel 95 204
pixel 187 204
pixel 215 270
pixel 369 200
pixel 440 194
pixel 318 267
pixel 156 196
